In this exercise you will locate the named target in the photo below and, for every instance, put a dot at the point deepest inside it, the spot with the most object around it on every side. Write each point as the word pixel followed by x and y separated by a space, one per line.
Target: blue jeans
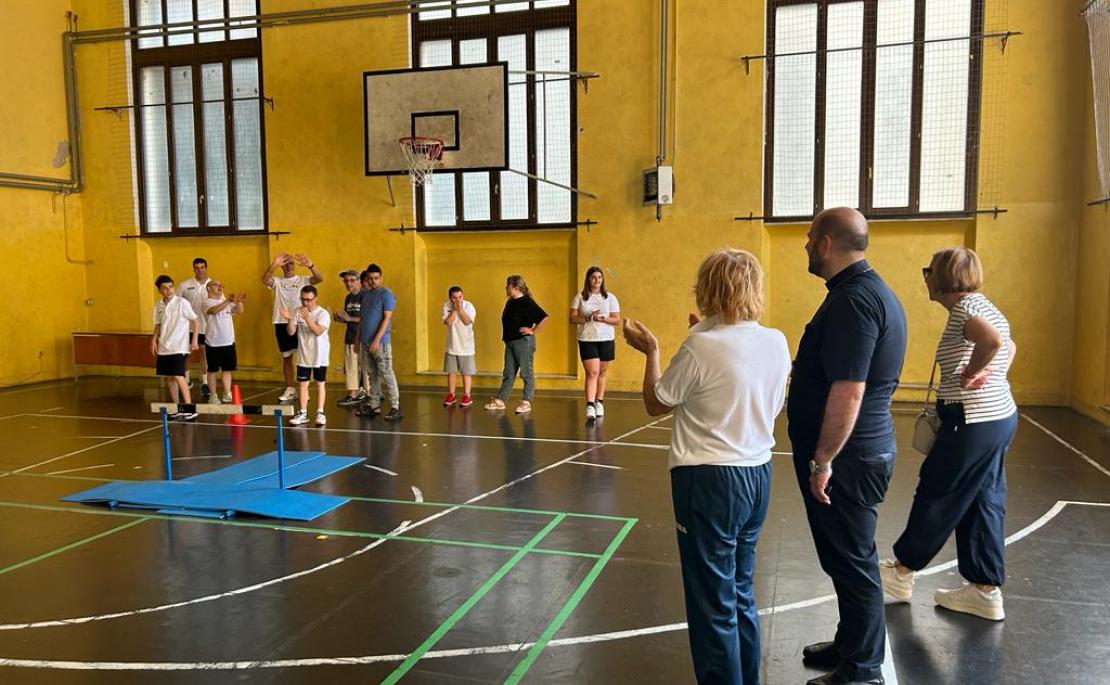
pixel 719 511
pixel 844 536
pixel 518 356
pixel 962 488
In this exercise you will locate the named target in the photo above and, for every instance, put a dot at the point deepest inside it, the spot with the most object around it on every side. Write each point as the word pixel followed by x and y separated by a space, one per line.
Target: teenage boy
pixel 458 316
pixel 309 323
pixel 195 291
pixel 219 343
pixel 375 352
pixel 287 292
pixel 351 314
pixel 175 335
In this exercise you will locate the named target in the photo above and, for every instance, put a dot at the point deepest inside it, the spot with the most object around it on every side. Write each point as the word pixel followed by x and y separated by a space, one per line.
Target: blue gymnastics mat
pixel 249 487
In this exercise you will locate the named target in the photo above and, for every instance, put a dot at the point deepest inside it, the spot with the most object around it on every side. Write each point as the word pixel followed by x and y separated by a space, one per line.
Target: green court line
pixel 570 605
pixel 382 500
pixel 304 529
pixel 72 545
pixel 458 614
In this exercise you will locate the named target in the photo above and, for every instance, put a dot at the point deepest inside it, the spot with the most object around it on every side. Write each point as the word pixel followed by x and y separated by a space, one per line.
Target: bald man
pixel 846 370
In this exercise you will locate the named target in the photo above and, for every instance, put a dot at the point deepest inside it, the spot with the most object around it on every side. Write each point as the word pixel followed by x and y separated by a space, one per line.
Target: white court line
pixel 417 495
pixel 51 409
pixel 404 527
pixel 83 468
pixel 369 431
pixel 1065 443
pixel 434 654
pixel 95 437
pixel 590 463
pixel 76 452
pixel 378 468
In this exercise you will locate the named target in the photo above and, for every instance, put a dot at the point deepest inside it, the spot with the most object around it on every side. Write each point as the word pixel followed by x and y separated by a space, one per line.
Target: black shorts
pixel 221 358
pixel 286 343
pixel 200 339
pixel 313 373
pixel 605 350
pixel 171 364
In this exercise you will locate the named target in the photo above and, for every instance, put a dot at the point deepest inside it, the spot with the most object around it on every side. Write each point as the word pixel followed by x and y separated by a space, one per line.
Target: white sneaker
pixel 969 599
pixel 591 413
pixel 214 399
pixel 321 420
pixel 187 416
pixel 288 395
pixel 599 408
pixel 299 419
pixel 897 585
pixel 227 398
pixel 524 407
pixel 496 404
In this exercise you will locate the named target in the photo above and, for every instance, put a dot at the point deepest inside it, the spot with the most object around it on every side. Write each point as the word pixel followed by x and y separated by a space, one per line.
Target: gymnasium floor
pixel 561 568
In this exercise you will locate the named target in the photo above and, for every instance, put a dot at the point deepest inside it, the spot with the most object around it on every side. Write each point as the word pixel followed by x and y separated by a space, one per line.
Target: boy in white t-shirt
pixel 195 291
pixel 175 335
pixel 219 343
pixel 310 323
pixel 287 290
pixel 458 316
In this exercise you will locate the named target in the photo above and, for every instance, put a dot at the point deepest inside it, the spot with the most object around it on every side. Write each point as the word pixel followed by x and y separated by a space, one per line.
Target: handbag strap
pixel 929 389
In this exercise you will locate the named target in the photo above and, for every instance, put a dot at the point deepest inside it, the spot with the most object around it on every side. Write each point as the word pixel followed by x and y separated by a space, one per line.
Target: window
pixel 872 104
pixel 537 40
pixel 199 128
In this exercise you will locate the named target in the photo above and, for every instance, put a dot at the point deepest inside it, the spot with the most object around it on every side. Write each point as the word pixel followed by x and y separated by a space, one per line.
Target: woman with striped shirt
pixel 962 485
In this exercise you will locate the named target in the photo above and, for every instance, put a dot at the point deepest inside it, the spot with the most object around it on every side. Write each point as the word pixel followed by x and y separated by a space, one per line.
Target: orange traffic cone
pixel 237 419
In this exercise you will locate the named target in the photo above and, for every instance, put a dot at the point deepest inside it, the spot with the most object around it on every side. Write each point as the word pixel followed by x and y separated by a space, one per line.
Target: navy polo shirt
pixel 857 334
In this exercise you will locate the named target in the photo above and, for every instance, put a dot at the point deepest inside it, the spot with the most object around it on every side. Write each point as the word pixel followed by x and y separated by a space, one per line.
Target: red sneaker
pixel 449 400
pixel 466 401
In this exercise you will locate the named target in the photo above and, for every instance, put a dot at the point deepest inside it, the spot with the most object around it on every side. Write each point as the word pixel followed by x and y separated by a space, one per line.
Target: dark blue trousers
pixel 844 535
pixel 719 511
pixel 962 488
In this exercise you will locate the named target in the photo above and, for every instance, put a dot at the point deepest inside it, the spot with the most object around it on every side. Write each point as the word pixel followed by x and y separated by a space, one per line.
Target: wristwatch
pixel 814 467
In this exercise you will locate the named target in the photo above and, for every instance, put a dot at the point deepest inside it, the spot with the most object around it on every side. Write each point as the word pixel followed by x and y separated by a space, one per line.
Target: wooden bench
pixel 116 348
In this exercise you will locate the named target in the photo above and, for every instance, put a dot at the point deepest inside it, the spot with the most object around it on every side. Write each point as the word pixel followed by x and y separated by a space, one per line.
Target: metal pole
pixel 166 442
pixel 281 452
pixel 663 30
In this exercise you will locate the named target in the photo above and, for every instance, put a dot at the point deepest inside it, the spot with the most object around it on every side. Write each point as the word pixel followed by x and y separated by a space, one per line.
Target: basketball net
pixel 423 156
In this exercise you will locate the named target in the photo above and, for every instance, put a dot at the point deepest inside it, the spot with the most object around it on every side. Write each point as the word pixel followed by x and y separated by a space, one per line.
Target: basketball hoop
pixel 423 156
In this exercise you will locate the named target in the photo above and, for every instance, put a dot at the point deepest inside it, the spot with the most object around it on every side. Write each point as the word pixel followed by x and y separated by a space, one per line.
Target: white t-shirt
pixel 994 400
pixel 287 293
pixel 595 331
pixel 727 383
pixel 174 316
pixel 221 328
pixel 460 336
pixel 196 292
pixel 312 349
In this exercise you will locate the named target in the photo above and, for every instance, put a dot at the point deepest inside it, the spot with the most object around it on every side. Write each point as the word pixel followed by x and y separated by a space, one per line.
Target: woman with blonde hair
pixel 962 483
pixel 521 319
pixel 725 385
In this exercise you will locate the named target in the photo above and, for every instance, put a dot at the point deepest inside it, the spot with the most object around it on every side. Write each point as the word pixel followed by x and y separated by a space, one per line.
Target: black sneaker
pixel 348 401
pixel 205 391
pixel 367 410
pixel 187 416
pixel 394 415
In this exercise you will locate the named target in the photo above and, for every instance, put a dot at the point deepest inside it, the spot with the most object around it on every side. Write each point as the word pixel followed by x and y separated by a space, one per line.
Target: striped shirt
pixel 993 401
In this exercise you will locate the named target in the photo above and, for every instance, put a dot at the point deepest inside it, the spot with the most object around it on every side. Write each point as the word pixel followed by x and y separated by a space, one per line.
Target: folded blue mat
pixel 250 487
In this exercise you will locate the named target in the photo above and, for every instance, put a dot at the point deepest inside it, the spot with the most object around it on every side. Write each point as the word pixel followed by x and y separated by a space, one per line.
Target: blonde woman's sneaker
pixel 896 584
pixel 288 395
pixel 496 404
pixel 969 599
pixel 591 411
pixel 321 419
pixel 599 408
pixel 524 407
pixel 299 419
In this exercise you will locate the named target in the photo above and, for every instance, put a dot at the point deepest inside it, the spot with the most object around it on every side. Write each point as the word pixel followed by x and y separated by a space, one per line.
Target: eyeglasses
pixel 307 299
pixel 926 272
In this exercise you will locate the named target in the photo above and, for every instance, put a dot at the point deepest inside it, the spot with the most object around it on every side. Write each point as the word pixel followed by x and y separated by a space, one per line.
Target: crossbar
pixel 223 408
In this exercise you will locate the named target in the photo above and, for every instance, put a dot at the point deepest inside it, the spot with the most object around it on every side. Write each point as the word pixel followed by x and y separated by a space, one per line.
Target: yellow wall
pixel 46 300
pixel 1045 258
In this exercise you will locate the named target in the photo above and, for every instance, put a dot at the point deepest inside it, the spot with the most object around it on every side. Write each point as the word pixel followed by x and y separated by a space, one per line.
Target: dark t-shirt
pixel 858 334
pixel 352 306
pixel 523 311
